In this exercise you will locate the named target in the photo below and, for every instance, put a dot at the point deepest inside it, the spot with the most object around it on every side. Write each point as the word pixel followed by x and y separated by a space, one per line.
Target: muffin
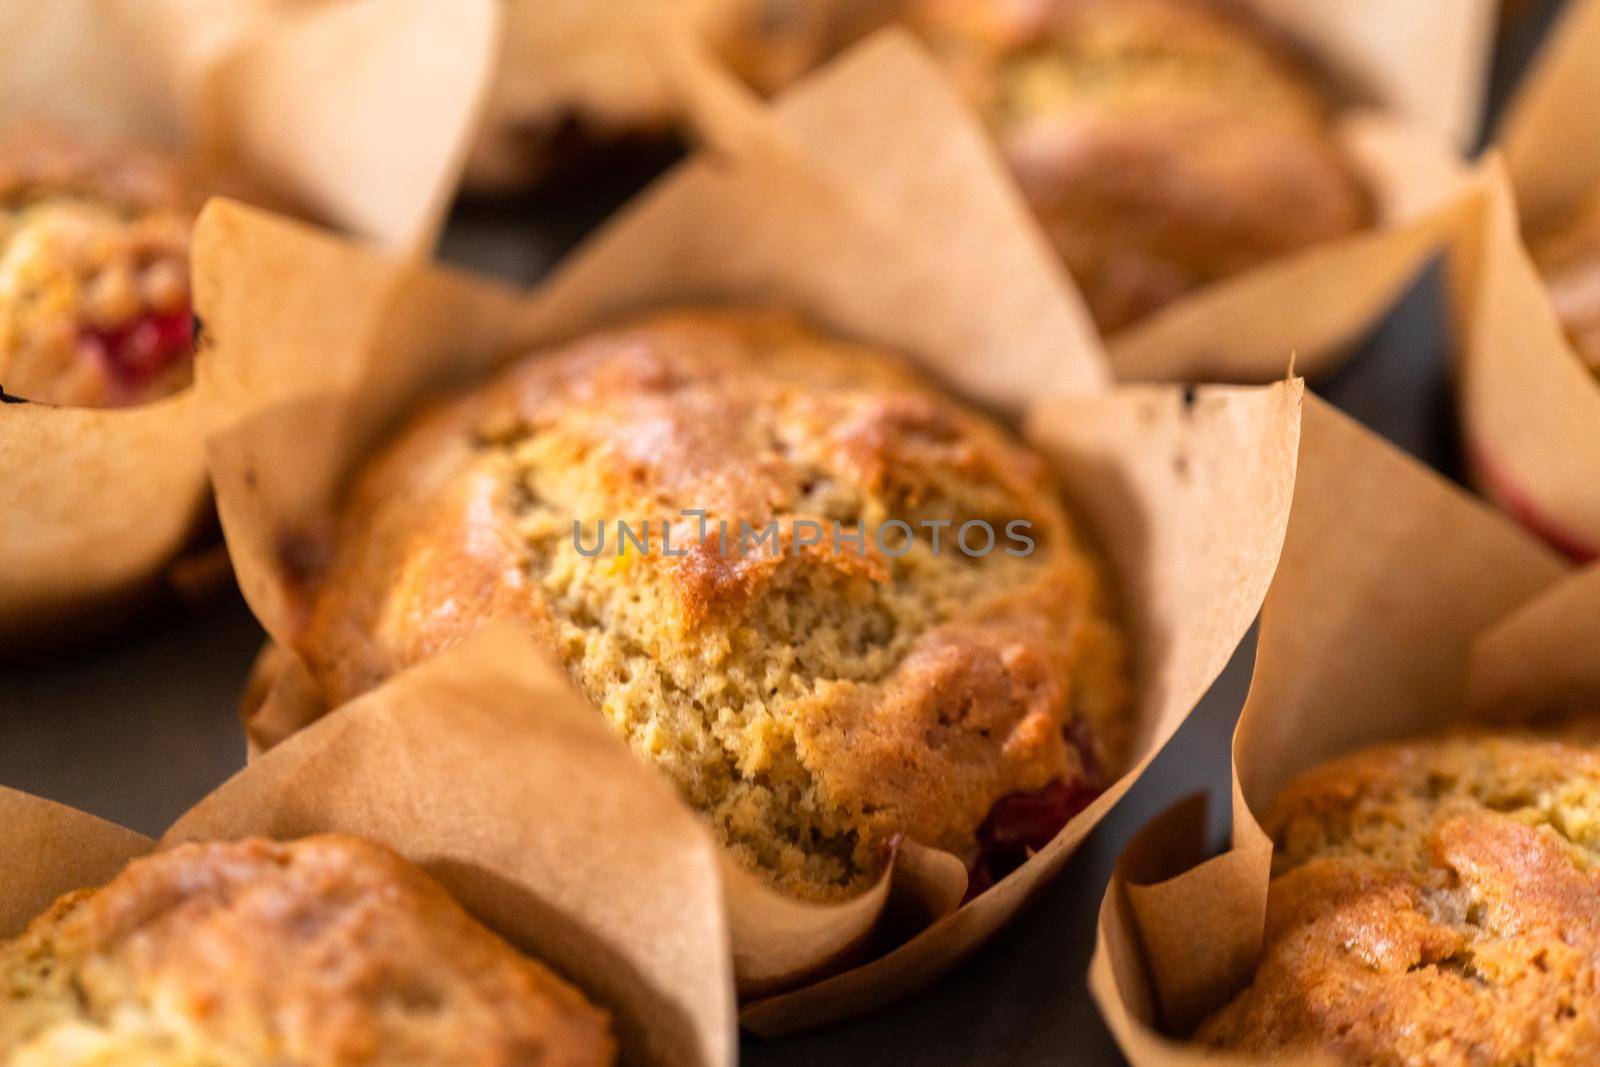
pixel 1433 902
pixel 805 626
pixel 325 951
pixel 1568 255
pixel 94 271
pixel 1163 144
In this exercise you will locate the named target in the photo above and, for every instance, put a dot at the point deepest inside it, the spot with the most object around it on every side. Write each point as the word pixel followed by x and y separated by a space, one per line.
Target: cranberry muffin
pixel 1433 902
pixel 94 271
pixel 815 639
pixel 1568 255
pixel 1163 144
pixel 324 952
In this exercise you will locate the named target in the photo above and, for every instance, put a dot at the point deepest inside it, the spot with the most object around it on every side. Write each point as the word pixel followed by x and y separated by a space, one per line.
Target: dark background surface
pixel 139 728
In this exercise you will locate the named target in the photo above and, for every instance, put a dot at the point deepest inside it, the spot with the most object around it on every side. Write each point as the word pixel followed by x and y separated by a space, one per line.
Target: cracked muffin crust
pixel 814 699
pixel 1163 144
pixel 325 952
pixel 94 271
pixel 1568 255
pixel 1433 902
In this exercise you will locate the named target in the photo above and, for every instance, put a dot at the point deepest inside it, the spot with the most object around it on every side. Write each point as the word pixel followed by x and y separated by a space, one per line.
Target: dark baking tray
pixel 139 728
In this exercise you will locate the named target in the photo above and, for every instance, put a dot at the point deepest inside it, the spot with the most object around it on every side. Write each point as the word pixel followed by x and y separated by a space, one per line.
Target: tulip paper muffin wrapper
pixel 356 112
pixel 1401 607
pixel 1415 70
pixel 1529 406
pixel 928 251
pixel 520 803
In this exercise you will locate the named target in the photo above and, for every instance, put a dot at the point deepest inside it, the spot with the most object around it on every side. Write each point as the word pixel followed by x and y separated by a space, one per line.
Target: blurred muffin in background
pixel 1164 144
pixel 94 270
pixel 1567 253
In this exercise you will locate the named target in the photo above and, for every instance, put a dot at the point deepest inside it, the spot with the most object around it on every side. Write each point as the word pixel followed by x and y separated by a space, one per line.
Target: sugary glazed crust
pixel 94 269
pixel 1567 253
pixel 1164 144
pixel 1434 902
pixel 814 703
pixel 324 952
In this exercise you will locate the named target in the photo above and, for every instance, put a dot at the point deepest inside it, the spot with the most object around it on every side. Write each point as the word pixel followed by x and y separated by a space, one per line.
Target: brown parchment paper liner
pixel 514 795
pixel 1529 407
pixel 1428 63
pixel 1188 497
pixel 356 112
pixel 1396 609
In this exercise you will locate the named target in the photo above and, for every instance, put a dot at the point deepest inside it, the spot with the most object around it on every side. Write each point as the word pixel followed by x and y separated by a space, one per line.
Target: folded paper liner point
pixel 1528 405
pixel 519 802
pixel 357 112
pixel 1401 606
pixel 1187 495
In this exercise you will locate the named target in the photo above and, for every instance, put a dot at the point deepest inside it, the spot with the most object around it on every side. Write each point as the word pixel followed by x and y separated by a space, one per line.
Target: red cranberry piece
pixel 1030 820
pixel 1020 824
pixel 141 351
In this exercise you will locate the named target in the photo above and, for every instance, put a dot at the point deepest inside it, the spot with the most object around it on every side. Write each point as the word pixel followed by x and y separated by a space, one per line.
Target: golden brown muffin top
pixel 1568 255
pixel 1434 902
pixel 1164 144
pixel 324 952
pixel 814 700
pixel 94 270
